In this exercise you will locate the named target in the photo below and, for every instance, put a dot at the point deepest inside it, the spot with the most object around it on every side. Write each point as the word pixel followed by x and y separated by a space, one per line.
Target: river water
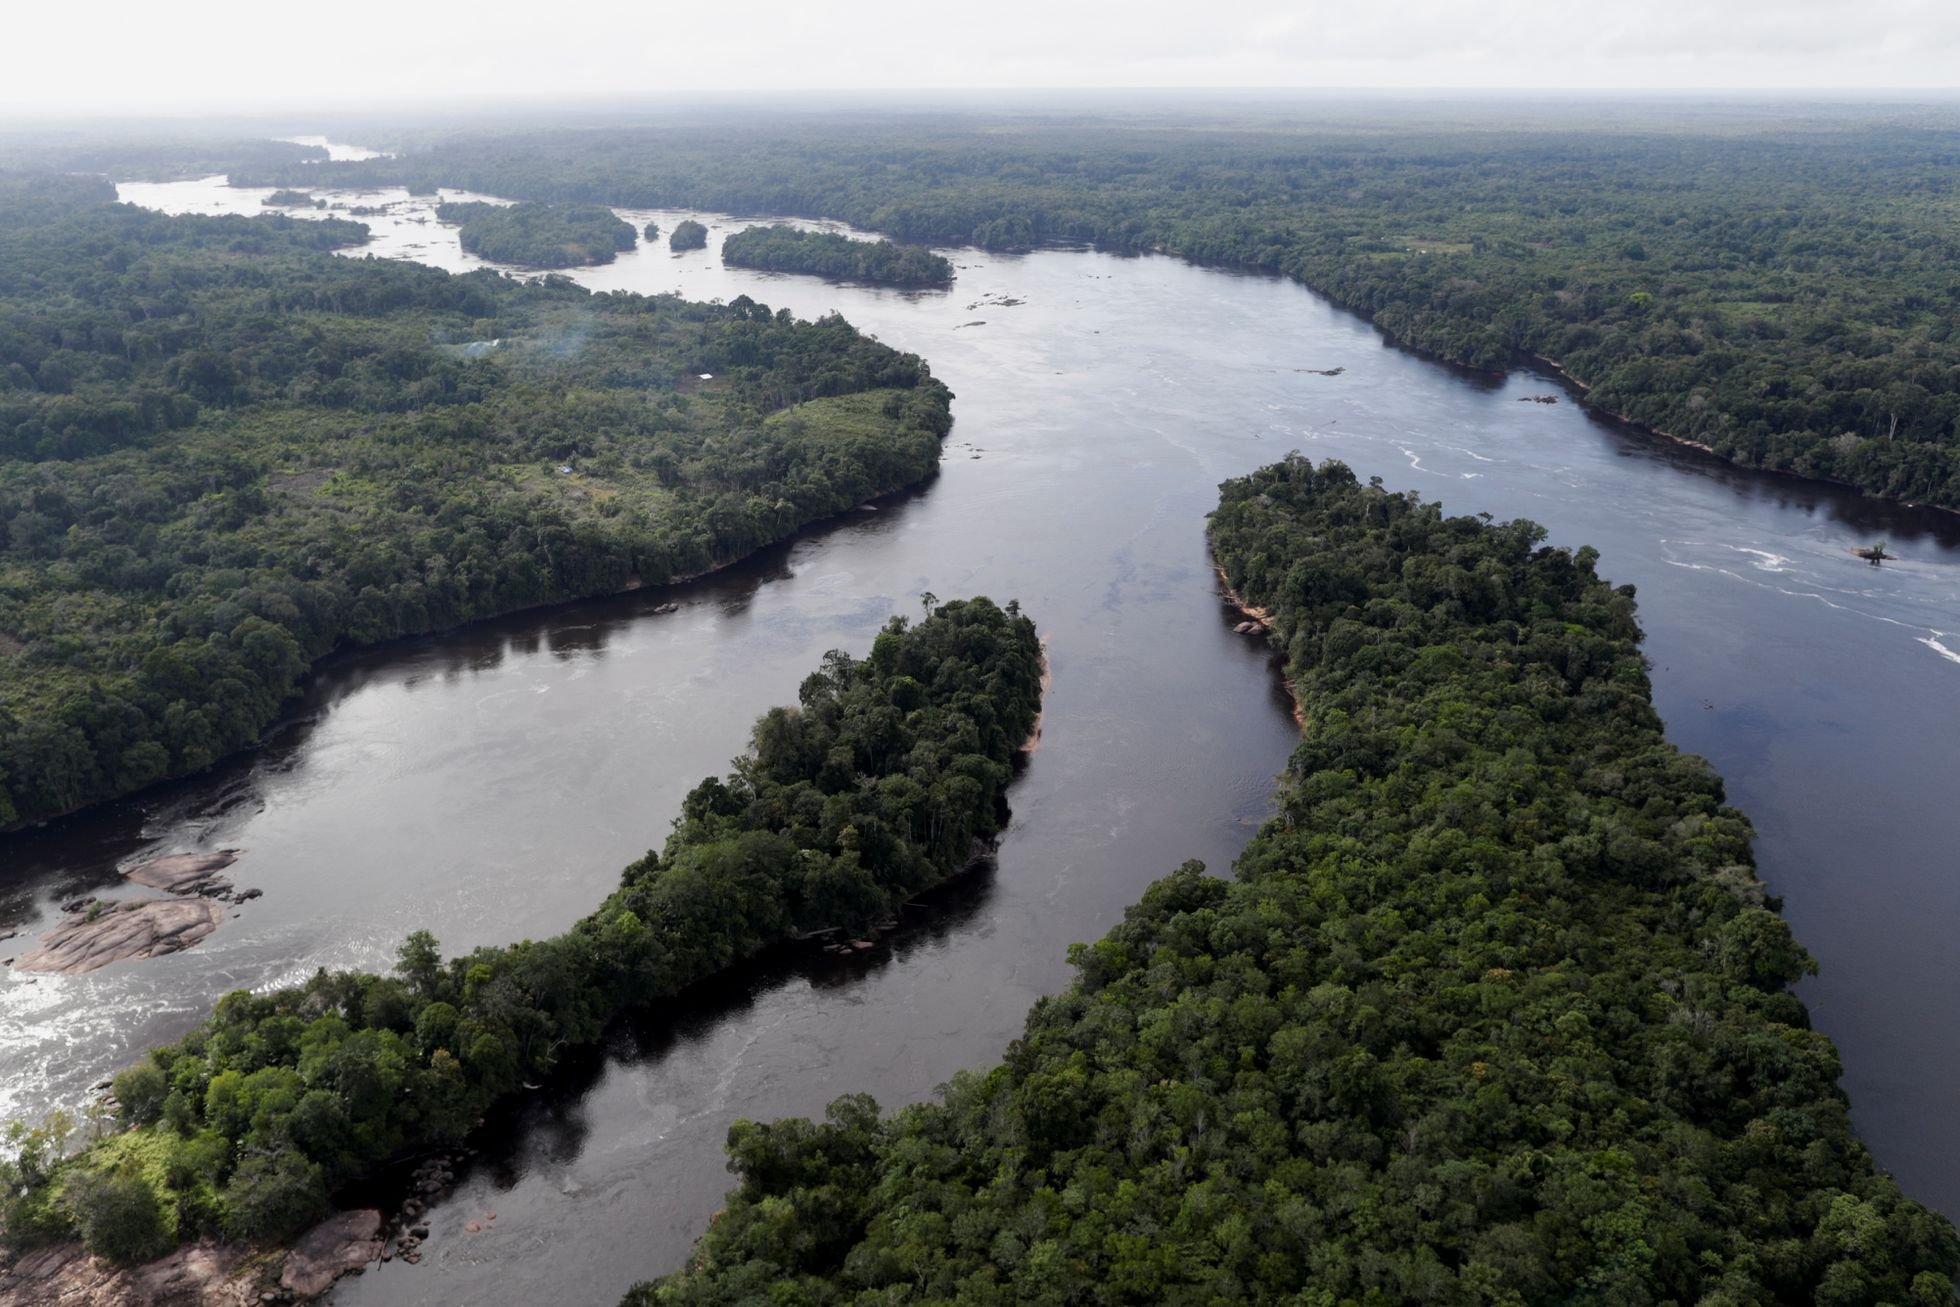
pixel 488 784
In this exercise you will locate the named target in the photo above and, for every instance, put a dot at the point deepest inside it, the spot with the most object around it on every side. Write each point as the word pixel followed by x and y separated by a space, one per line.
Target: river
pixel 488 784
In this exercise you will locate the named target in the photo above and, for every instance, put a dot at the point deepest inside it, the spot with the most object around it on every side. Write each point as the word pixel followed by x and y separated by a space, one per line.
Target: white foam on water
pixel 1933 642
pixel 1415 463
pixel 1769 562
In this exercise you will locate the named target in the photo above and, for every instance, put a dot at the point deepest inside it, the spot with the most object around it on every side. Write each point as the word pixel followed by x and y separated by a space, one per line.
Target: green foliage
pixel 539 235
pixel 228 453
pixel 140 1092
pixel 271 1195
pixel 1777 286
pixel 118 1214
pixel 1494 1012
pixel 782 248
pixel 887 777
pixel 688 235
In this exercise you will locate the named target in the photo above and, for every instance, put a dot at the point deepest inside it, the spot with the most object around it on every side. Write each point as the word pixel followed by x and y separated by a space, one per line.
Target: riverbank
pixel 1264 617
pixel 1033 741
pixel 203 1274
pixel 634 585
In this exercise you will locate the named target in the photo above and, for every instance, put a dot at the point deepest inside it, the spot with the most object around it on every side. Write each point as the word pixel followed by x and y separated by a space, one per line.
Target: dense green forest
pixel 688 235
pixel 1495 1010
pixel 782 248
pixel 539 235
pixel 887 777
pixel 1780 288
pixel 224 454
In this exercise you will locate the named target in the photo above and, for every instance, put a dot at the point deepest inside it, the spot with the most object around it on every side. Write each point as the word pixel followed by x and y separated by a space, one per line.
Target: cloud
pixel 206 52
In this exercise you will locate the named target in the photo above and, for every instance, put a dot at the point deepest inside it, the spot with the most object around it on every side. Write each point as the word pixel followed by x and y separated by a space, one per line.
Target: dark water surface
pixel 489 784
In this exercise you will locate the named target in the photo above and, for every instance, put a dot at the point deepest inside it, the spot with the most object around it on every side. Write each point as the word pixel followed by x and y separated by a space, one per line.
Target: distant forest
pixel 1782 289
pixel 782 248
pixel 225 453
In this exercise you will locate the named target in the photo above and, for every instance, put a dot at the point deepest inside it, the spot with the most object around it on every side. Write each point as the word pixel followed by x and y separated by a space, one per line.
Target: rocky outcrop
pixel 338 1245
pixel 201 1275
pixel 112 932
pixel 184 873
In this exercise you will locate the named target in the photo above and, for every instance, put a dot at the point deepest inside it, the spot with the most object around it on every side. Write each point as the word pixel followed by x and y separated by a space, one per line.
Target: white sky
pixel 118 55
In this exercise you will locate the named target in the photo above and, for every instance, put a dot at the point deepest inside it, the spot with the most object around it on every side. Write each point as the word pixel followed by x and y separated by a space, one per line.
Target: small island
pixel 652 232
pixel 287 198
pixel 539 235
pixel 688 235
pixel 782 248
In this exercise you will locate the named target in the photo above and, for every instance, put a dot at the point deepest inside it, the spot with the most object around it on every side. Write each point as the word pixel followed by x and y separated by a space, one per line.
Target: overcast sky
pixel 116 55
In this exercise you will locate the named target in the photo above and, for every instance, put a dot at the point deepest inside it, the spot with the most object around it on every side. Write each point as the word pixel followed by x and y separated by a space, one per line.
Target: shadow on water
pixel 551 1124
pixel 1844 505
pixel 81 853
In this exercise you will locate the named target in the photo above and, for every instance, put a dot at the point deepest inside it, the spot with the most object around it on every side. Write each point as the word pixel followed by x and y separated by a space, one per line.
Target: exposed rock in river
pixel 331 1249
pixel 184 873
pixel 115 931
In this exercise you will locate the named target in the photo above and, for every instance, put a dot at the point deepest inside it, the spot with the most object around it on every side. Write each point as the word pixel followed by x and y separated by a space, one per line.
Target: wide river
pixel 488 784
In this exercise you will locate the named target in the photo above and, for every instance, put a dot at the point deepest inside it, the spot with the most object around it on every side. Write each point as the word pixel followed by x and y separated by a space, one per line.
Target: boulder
pixel 337 1246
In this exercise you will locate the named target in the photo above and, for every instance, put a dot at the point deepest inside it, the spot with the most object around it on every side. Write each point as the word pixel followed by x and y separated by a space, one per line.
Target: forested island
pixel 1775 284
pixel 225 453
pixel 539 235
pixel 286 197
pixel 886 778
pixel 782 248
pixel 1495 1010
pixel 688 235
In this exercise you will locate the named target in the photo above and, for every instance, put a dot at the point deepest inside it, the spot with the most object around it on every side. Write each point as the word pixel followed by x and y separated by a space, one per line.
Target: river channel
pixel 488 784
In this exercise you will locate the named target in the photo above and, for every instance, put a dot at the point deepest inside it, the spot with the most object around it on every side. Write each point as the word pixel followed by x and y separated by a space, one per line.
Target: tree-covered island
pixel 688 235
pixel 539 235
pixel 782 248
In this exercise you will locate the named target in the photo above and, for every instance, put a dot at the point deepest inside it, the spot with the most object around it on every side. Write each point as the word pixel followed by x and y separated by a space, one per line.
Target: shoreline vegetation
pixel 1263 618
pixel 1495 1008
pixel 887 778
pixel 293 454
pixel 1773 287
